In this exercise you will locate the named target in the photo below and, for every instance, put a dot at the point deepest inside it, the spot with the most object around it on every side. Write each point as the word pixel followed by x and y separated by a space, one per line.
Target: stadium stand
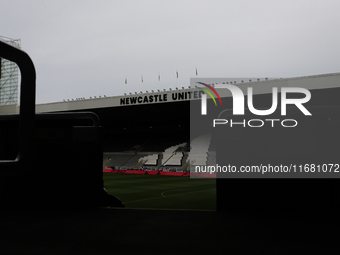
pixel 119 159
pixel 199 150
pixel 128 145
pixel 140 164
pixel 173 155
pixel 151 160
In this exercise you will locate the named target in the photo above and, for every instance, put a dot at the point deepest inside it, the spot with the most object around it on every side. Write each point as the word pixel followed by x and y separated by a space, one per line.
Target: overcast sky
pixel 84 48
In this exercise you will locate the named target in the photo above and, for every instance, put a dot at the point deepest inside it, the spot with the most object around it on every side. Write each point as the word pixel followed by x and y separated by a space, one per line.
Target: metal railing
pixel 27 109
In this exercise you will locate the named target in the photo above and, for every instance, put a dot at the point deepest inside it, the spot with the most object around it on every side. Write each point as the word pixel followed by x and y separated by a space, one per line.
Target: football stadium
pixel 120 171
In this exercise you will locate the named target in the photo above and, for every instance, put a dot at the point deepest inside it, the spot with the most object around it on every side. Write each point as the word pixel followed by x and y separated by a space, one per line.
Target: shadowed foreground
pixel 130 231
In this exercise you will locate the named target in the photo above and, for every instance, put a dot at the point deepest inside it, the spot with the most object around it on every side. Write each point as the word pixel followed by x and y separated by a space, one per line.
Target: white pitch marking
pixel 162 194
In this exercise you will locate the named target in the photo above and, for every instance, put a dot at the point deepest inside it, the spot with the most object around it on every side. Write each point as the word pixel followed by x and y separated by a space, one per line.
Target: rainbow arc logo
pixel 209 93
pixel 204 105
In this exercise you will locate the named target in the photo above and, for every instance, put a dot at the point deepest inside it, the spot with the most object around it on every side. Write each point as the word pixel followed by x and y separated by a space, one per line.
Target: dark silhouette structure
pixel 40 154
pixel 32 144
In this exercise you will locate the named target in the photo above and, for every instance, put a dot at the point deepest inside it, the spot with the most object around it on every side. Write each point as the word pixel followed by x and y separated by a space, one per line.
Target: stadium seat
pixel 199 150
pixel 150 160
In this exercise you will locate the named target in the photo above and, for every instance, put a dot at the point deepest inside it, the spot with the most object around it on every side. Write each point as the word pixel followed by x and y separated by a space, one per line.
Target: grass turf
pixel 168 192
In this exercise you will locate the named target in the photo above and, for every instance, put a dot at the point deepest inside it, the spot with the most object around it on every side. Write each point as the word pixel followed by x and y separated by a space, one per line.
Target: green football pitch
pixel 157 191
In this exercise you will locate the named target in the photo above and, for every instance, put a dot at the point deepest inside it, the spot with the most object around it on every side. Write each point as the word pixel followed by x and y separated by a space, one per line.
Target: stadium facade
pixel 9 77
pixel 151 127
pixel 146 126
